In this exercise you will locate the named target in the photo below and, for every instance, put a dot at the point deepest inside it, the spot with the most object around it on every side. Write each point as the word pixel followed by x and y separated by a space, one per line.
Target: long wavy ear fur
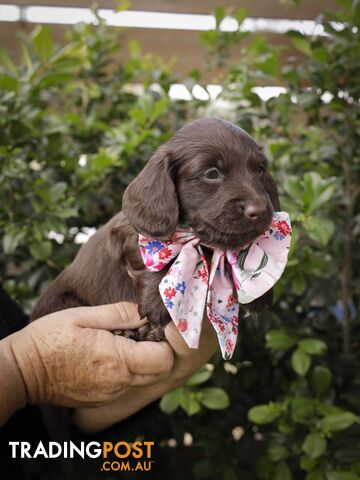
pixel 150 202
pixel 272 190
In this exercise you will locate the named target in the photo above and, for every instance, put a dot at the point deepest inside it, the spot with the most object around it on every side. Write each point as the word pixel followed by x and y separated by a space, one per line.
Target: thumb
pixel 113 316
pixel 148 362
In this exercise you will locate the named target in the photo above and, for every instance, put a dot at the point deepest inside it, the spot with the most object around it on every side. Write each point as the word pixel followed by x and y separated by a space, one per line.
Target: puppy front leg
pixel 152 306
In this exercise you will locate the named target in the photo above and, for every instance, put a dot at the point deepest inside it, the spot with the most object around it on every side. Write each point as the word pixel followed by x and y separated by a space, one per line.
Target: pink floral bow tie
pixel 188 285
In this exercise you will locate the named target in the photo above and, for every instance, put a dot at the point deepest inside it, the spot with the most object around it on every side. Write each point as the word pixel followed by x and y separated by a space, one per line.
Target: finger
pixel 176 340
pixel 145 358
pixel 114 316
pixel 143 380
pixel 207 344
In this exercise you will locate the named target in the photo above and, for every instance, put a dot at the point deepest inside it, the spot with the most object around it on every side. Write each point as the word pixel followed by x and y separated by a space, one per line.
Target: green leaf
pixel 102 161
pixel 285 427
pixel 26 57
pixel 325 409
pixel 298 284
pixel 300 42
pixel 139 115
pixel 324 196
pixel 316 474
pixel 320 380
pixel 339 421
pixel 270 65
pixel 8 82
pixel 314 445
pixel 67 213
pixel 71 57
pixel 214 398
pixel 44 193
pixel 42 42
pixel 320 229
pixel 293 186
pixel 300 362
pixel 313 182
pixel 318 191
pixel 170 401
pixel 320 54
pixel 241 14
pixel 302 409
pixel 51 79
pixel 279 340
pixel 194 407
pixel 279 148
pixel 134 49
pixel 41 250
pixel 263 414
pixel 277 452
pixel 56 224
pixel 11 240
pixel 6 61
pixel 201 376
pixel 307 463
pixel 282 472
pixel 337 475
pixel 57 191
pixel 123 5
pixel 312 346
pixel 188 402
pixel 159 108
pixel 220 14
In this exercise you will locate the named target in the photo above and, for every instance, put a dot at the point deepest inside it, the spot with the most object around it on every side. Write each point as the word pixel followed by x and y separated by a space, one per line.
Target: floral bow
pixel 189 285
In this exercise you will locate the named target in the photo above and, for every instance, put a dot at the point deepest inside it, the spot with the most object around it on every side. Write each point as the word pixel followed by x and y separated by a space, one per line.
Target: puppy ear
pixel 272 190
pixel 150 203
pixel 116 236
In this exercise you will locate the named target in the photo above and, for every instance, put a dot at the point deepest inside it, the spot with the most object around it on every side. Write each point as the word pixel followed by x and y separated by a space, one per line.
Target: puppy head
pixel 211 176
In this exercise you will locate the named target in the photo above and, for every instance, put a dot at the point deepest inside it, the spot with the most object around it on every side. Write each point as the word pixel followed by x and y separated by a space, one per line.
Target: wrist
pixel 31 368
pixel 13 390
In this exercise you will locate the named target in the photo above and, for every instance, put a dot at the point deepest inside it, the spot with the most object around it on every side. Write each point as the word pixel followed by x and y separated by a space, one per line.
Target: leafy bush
pixel 73 134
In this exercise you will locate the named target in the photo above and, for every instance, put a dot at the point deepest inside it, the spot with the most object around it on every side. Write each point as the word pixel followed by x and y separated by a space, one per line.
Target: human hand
pixel 187 361
pixel 70 358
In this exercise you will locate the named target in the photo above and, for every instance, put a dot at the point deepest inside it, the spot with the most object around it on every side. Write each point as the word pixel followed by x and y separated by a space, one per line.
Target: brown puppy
pixel 211 176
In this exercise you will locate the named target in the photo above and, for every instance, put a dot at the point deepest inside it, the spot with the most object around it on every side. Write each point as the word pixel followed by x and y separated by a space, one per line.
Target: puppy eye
pixel 212 174
pixel 262 168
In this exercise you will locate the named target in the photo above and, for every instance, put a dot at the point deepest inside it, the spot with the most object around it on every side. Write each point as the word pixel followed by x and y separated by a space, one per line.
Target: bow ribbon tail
pixel 259 266
pixel 184 289
pixel 222 306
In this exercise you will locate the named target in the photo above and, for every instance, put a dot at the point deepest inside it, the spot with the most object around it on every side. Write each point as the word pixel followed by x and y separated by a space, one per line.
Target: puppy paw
pixel 145 333
pixel 155 316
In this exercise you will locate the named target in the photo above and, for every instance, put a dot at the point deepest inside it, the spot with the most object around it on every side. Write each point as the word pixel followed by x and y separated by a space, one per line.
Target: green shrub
pixel 294 383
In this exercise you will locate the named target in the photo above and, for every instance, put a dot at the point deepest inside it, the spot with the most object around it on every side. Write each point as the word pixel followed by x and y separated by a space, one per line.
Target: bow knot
pixel 189 286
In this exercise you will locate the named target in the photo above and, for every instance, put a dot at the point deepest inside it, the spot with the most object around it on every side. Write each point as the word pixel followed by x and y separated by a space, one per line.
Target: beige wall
pixel 183 45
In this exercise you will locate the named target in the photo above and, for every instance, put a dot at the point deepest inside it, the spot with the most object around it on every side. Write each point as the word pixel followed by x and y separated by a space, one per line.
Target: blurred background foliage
pixel 75 128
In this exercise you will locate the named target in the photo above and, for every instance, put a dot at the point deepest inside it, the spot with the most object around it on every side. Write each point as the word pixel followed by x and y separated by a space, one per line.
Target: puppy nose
pixel 252 210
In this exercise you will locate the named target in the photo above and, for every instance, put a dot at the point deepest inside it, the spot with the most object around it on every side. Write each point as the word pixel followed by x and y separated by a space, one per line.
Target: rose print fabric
pixel 189 286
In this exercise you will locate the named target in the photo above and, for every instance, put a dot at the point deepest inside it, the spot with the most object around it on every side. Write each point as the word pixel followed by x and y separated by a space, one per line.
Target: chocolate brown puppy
pixel 211 176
